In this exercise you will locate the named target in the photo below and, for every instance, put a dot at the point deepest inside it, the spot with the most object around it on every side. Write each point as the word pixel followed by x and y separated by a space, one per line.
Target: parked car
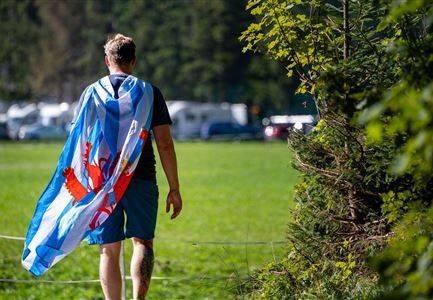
pixel 20 115
pixel 230 131
pixel 3 127
pixel 3 118
pixel 188 117
pixel 277 131
pixel 276 127
pixel 39 131
pixel 50 115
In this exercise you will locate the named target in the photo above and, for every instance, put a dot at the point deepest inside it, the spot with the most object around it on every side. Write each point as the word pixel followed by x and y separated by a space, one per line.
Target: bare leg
pixel 109 271
pixel 141 267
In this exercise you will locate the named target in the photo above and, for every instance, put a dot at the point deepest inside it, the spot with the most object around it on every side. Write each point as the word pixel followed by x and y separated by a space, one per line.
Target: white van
pixel 188 117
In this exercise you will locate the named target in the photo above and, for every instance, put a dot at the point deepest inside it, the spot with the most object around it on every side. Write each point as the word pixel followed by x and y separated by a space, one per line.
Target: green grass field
pixel 232 192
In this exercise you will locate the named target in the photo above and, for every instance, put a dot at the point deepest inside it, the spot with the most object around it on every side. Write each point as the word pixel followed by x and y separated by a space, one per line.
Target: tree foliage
pixel 18 22
pixel 366 64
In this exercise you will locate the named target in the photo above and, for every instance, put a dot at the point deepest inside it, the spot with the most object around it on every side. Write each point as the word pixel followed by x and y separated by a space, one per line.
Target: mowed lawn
pixel 232 192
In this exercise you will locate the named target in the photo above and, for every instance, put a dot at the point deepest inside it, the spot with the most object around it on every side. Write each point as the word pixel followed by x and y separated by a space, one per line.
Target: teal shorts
pixel 140 206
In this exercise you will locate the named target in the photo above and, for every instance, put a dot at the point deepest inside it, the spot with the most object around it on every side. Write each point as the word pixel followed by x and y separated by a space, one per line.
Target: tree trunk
pixel 346 28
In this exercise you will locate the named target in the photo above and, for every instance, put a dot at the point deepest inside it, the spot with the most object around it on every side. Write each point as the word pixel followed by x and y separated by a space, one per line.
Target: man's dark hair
pixel 120 49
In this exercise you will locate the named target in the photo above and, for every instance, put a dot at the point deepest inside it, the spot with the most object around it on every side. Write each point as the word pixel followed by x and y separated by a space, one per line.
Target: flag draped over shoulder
pixel 93 172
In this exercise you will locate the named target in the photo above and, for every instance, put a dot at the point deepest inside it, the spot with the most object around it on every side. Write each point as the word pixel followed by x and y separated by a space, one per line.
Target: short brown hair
pixel 120 49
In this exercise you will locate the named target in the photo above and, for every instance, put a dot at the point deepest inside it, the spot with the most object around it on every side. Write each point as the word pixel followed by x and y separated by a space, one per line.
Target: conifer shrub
pixel 361 228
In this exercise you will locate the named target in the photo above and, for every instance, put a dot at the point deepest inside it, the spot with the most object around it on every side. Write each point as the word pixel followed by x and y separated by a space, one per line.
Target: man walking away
pixel 140 201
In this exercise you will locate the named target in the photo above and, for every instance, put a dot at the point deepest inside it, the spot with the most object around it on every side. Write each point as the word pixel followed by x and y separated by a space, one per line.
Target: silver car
pixel 40 132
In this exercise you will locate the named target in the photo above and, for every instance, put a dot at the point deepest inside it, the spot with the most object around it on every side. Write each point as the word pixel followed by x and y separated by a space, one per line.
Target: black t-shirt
pixel 146 165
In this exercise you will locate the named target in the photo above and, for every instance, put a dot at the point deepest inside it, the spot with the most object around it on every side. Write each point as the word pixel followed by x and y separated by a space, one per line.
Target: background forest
pixel 189 49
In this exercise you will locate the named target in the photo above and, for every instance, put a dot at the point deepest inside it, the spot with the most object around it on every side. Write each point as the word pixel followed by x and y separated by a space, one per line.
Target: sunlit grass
pixel 233 192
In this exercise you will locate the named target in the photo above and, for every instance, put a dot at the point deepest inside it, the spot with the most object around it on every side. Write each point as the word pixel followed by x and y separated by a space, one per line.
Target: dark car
pixel 3 128
pixel 230 131
pixel 277 131
pixel 277 127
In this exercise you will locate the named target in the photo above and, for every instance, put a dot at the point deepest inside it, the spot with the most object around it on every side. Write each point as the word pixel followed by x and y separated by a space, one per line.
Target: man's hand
pixel 174 199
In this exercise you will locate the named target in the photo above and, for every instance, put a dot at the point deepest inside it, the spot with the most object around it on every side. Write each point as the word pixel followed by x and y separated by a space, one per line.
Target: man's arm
pixel 164 143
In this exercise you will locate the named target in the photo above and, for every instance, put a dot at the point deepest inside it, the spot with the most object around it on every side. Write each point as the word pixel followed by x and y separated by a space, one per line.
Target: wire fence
pixel 18 238
pixel 193 278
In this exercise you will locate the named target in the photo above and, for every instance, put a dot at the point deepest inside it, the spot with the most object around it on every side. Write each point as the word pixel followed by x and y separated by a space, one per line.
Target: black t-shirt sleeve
pixel 160 110
pixel 146 165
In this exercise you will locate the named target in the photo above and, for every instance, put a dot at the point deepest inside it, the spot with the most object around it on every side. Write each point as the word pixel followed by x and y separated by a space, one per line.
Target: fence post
pixel 122 270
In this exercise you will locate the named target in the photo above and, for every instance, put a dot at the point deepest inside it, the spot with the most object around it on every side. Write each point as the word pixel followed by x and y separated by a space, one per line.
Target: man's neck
pixel 119 70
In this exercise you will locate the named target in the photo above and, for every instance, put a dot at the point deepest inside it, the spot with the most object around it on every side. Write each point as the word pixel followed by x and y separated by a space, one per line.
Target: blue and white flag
pixel 93 172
